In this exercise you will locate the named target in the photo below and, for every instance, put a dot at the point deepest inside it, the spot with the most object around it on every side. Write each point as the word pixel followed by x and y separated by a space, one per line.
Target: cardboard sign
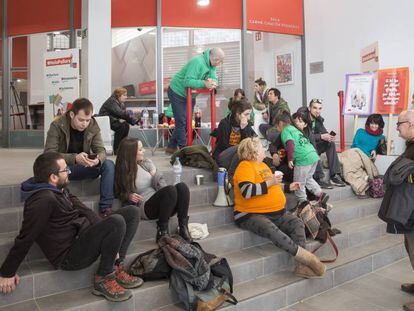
pixel 392 91
pixel 370 58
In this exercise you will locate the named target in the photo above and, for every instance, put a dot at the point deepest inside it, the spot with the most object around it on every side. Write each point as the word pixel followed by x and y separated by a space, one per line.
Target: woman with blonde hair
pixel 260 208
pixel 114 108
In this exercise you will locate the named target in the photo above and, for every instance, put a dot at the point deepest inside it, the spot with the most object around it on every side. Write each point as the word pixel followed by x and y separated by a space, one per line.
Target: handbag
pixel 382 147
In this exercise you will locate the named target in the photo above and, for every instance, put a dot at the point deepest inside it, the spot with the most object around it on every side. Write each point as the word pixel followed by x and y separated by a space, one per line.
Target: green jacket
pixel 261 104
pixel 193 74
pixel 276 109
pixel 58 137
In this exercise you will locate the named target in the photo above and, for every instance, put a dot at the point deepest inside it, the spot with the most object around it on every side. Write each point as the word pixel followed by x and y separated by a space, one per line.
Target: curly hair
pixel 248 149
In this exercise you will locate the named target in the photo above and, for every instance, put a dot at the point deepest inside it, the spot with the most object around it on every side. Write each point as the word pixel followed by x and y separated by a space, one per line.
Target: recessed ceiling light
pixel 203 2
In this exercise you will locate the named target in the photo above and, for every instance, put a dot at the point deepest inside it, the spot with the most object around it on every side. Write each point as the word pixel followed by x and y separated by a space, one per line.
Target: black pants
pixel 168 201
pixel 121 130
pixel 330 149
pixel 105 239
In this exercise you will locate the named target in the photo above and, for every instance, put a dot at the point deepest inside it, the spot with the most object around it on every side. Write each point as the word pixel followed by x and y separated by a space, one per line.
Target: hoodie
pixel 53 218
pixel 193 74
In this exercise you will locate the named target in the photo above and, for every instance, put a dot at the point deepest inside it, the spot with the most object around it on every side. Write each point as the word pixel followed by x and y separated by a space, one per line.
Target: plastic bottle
pixel 197 116
pixel 145 116
pixel 177 169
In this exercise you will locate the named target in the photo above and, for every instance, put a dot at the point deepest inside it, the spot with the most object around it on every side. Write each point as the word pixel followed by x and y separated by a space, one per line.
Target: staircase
pixel 262 273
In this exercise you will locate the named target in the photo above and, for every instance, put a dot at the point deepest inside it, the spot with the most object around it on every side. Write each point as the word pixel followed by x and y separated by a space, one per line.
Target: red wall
pixel 132 13
pixel 219 14
pixel 280 16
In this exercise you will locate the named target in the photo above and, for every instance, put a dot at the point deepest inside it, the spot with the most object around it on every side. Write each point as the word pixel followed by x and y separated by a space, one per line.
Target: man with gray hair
pixel 199 72
pixel 397 205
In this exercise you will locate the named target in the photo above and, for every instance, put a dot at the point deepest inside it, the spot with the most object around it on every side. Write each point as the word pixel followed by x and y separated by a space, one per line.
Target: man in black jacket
pixel 325 142
pixel 119 119
pixel 71 236
pixel 398 198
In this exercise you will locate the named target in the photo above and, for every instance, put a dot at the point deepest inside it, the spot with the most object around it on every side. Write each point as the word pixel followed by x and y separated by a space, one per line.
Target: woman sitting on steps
pixel 138 182
pixel 260 208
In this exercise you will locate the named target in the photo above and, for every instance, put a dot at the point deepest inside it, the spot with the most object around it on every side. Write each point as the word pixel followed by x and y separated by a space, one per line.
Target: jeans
pixel 167 201
pixel 333 161
pixel 179 107
pixel 107 172
pixel 304 175
pixel 286 231
pixel 106 238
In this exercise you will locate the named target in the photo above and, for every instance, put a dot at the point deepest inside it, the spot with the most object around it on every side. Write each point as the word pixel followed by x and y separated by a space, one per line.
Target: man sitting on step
pixel 77 136
pixel 71 236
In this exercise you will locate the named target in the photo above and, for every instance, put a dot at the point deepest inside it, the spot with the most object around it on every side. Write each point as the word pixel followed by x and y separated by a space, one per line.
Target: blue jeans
pixel 179 107
pixel 107 172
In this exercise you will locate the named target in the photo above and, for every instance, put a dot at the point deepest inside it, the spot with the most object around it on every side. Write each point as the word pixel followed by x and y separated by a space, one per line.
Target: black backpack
pixel 202 281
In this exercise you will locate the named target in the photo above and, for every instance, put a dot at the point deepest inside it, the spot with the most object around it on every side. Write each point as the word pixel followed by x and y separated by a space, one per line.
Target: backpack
pixel 376 187
pixel 201 280
pixel 150 266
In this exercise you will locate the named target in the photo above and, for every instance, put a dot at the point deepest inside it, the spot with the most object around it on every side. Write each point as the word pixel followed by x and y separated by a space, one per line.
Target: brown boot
pixel 305 272
pixel 409 306
pixel 408 288
pixel 308 259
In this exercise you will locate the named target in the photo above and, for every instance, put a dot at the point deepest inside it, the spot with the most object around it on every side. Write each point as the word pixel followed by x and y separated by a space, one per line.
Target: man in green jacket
pixel 199 72
pixel 77 136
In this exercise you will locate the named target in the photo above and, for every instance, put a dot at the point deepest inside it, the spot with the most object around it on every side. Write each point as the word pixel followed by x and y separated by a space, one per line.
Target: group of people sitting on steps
pixel 73 237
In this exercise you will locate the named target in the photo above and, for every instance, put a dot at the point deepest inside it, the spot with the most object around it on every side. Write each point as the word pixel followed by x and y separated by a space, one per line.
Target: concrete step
pixel 265 289
pixel 249 255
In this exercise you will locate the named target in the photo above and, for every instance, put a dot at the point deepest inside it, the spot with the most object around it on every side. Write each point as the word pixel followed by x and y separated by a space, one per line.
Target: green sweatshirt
pixel 193 74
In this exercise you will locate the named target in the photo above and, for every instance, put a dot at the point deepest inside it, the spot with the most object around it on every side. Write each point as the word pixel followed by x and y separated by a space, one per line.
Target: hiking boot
pixel 409 306
pixel 363 196
pixel 108 287
pixel 408 288
pixel 324 185
pixel 170 150
pixel 336 180
pixel 183 229
pixel 305 272
pixel 106 213
pixel 126 280
pixel 162 230
pixel 310 260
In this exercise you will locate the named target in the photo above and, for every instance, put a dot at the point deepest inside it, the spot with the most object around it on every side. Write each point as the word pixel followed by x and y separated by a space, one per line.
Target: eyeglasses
pixel 402 122
pixel 316 101
pixel 67 170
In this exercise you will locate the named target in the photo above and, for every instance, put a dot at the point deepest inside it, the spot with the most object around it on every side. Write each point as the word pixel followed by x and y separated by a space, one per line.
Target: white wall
pixel 336 31
pixel 264 64
pixel 37 47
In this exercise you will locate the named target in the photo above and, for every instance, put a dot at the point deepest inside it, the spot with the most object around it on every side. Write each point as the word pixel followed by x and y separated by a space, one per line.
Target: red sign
pixel 392 90
pixel 59 61
pixel 150 87
pixel 279 16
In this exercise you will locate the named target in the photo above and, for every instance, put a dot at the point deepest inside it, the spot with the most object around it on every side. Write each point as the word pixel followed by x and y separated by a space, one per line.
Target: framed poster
pixel 392 91
pixel 284 68
pixel 359 93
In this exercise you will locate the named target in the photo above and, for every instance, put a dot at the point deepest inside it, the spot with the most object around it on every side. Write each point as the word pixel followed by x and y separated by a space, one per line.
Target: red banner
pixel 279 16
pixel 133 13
pixel 392 90
pixel 150 87
pixel 217 14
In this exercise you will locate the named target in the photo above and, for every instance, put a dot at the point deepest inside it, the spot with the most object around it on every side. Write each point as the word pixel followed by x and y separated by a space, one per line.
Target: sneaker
pixel 324 185
pixel 323 199
pixel 126 280
pixel 337 181
pixel 106 213
pixel 108 287
pixel 170 150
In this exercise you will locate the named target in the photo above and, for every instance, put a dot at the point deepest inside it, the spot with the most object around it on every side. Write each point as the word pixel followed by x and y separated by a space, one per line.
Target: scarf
pixel 378 132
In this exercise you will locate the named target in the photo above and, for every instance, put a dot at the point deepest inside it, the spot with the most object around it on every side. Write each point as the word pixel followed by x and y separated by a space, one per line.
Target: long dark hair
pixel 126 168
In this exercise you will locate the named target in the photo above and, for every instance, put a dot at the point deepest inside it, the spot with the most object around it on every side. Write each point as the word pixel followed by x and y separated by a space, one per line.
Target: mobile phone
pixel 332 133
pixel 92 156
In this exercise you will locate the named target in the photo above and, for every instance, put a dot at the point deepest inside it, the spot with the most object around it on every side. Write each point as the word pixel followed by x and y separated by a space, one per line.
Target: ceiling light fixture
pixel 203 2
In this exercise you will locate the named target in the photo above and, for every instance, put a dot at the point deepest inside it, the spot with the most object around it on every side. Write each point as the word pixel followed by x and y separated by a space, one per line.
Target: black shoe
pixel 337 181
pixel 324 185
pixel 162 230
pixel 183 229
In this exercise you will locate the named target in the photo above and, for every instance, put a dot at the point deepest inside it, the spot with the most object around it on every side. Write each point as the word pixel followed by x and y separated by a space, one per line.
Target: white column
pixel 37 47
pixel 96 51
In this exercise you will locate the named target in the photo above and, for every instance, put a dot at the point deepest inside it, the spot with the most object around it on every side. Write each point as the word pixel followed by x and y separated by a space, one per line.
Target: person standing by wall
pixel 199 72
pixel 397 205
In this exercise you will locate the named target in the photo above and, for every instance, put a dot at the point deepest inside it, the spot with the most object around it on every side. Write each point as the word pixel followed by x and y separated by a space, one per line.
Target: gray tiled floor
pixel 376 291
